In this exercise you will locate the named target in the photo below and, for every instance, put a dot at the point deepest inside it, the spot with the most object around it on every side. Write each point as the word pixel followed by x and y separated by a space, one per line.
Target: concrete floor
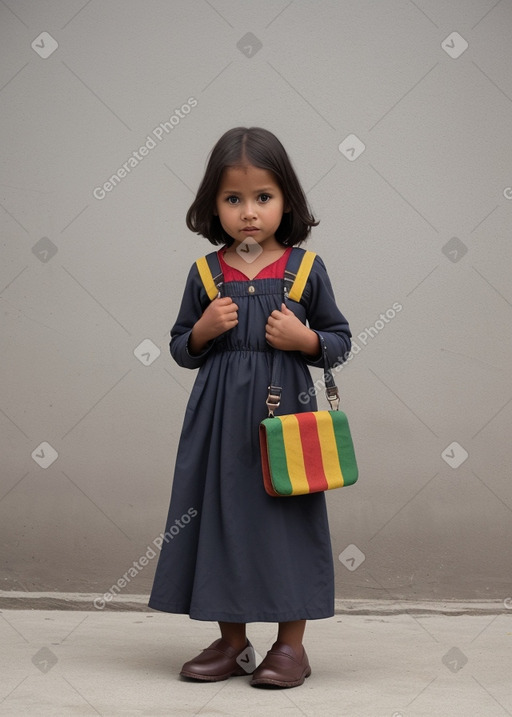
pixel 60 662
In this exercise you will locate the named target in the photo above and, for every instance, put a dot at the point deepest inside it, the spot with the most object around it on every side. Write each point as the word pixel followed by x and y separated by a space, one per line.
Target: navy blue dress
pixel 231 552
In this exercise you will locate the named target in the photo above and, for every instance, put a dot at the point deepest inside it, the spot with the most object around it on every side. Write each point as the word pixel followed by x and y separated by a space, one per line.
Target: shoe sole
pixel 280 683
pixel 212 678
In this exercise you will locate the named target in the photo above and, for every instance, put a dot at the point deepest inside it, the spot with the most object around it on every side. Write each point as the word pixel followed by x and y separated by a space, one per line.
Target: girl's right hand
pixel 219 316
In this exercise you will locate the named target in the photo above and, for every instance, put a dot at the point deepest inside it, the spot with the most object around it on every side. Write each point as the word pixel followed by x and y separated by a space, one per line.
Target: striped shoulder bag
pixel 305 452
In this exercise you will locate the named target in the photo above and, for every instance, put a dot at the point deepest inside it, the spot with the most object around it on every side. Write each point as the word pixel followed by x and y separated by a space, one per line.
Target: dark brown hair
pixel 262 149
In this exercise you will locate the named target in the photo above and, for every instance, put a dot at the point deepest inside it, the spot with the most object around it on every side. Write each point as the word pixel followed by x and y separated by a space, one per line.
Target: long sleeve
pixel 324 317
pixel 193 304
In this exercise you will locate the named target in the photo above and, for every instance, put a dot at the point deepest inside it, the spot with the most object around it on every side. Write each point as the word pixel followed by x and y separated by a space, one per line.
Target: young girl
pixel 231 553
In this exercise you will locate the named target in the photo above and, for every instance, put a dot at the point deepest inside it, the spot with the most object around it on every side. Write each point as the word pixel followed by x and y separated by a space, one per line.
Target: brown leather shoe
pixel 282 668
pixel 220 661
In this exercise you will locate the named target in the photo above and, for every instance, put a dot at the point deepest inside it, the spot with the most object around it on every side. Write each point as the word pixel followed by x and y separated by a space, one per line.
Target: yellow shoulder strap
pixel 207 278
pixel 294 294
pixel 301 278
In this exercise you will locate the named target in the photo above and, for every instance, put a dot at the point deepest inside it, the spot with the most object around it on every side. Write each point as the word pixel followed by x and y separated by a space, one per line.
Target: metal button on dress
pixel 251 289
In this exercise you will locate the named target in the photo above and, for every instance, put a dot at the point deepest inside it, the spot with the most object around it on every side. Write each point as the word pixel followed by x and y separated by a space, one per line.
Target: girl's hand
pixel 286 332
pixel 219 316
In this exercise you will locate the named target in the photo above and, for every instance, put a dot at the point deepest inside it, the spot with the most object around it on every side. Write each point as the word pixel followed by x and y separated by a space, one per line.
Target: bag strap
pixel 298 268
pixel 275 389
pixel 211 274
pixel 297 271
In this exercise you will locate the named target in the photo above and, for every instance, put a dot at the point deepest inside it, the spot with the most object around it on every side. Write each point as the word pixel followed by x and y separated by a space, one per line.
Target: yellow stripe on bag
pixel 302 276
pixel 330 460
pixel 207 278
pixel 294 457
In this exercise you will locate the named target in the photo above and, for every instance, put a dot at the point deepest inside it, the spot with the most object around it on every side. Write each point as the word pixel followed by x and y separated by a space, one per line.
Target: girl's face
pixel 250 203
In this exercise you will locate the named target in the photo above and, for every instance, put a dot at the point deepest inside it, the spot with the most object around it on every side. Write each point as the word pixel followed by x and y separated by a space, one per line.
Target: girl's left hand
pixel 286 332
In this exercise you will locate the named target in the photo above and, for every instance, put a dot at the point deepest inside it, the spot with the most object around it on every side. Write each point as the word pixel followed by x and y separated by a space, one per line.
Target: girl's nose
pixel 248 211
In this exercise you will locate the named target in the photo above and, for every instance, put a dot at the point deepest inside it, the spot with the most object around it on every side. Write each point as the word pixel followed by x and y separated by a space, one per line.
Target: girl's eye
pixel 232 199
pixel 264 198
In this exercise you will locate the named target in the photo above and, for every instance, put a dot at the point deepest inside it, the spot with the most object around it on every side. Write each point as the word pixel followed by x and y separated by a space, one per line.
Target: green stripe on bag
pixel 345 447
pixel 277 457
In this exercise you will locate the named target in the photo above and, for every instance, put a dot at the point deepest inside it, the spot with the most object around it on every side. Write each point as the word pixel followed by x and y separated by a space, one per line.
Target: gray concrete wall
pixel 90 279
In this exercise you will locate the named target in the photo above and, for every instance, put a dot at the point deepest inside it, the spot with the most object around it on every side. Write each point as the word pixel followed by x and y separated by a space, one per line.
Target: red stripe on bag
pixel 312 451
